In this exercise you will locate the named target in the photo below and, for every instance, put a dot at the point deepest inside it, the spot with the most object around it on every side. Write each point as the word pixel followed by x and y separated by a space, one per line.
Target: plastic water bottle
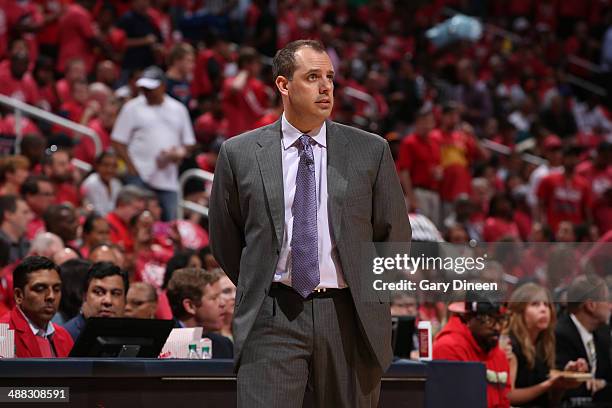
pixel 206 347
pixel 193 352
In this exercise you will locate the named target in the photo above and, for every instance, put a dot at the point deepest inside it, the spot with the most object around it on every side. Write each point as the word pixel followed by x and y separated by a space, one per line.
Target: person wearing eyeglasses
pixel 531 331
pixel 472 334
pixel 141 301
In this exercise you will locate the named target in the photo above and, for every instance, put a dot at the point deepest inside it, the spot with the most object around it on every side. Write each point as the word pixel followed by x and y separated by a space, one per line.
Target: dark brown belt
pixel 317 293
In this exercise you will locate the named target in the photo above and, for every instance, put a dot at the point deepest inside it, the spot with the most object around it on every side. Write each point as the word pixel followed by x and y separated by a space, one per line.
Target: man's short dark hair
pixel 8 203
pixel 53 213
pixel 583 288
pixel 283 63
pixel 88 225
pixel 30 185
pixel 30 265
pixel 188 283
pixel 247 55
pixel 101 270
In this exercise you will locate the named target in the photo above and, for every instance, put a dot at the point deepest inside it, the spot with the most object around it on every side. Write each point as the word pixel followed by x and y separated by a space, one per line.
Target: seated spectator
pixel 149 257
pixel 74 108
pixel 104 294
pixel 532 335
pixel 15 79
pixel 57 167
pixel 73 274
pixel 61 219
pixel 33 146
pixel 65 255
pixel 187 258
pixel 14 171
pixel 141 301
pixel 403 304
pixel 39 193
pixel 500 222
pixel 103 124
pixel 473 335
pixel 196 301
pixel 583 333
pixel 228 292
pixel 130 201
pixel 565 196
pixel 75 71
pixel 37 296
pixel 46 244
pixel 108 253
pixel 100 189
pixel 15 215
pixel 96 231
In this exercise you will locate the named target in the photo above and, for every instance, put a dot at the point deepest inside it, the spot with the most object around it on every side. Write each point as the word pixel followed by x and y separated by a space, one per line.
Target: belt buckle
pixel 320 290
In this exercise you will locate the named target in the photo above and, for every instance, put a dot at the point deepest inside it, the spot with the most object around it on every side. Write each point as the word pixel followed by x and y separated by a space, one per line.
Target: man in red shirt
pixel 419 167
pixel 39 193
pixel 598 172
pixel 76 35
pixel 59 170
pixel 473 335
pixel 458 150
pixel 37 291
pixel 130 201
pixel 15 80
pixel 565 196
pixel 245 97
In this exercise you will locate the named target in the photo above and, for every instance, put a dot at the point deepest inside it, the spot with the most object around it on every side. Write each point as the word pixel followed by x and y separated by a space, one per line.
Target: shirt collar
pixel 37 330
pixel 291 134
pixel 585 335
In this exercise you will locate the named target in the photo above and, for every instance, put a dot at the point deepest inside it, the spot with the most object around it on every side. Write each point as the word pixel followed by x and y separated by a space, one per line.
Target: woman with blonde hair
pixel 532 334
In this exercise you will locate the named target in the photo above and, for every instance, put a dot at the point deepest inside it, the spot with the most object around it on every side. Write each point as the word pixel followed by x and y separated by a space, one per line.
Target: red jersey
pixel 420 156
pixel 244 107
pixel 35 227
pixel 86 150
pixel 564 200
pixel 75 34
pixel 496 228
pixel 457 150
pixel 456 343
pixel 120 232
pixel 24 89
pixel 67 193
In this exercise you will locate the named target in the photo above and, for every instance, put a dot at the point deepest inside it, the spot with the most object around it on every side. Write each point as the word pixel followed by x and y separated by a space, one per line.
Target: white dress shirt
pixel 588 341
pixel 329 265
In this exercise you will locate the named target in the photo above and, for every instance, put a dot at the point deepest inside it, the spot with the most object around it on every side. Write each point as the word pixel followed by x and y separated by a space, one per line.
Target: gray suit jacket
pixel 246 219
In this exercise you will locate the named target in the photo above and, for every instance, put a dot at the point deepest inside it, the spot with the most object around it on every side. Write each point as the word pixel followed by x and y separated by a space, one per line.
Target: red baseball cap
pixel 552 142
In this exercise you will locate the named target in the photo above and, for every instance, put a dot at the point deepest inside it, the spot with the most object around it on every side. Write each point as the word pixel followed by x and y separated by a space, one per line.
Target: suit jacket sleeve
pixel 389 214
pixel 225 221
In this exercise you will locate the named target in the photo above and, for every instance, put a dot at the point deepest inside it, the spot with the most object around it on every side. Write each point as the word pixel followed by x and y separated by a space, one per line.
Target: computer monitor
pixel 122 337
pixel 404 328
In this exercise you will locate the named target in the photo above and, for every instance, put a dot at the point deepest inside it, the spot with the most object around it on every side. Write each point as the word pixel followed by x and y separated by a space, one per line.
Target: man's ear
pixel 282 83
pixel 589 306
pixel 189 306
pixel 19 295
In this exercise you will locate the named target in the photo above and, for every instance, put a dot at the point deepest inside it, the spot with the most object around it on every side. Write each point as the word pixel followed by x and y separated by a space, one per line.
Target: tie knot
pixel 305 140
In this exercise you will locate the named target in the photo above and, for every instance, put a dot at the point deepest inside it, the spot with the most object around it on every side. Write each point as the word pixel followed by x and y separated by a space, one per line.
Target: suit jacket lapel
pixel 270 159
pixel 337 178
pixel 25 333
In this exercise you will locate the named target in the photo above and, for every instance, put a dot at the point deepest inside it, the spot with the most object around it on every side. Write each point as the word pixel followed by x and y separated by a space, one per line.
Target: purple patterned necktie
pixel 304 240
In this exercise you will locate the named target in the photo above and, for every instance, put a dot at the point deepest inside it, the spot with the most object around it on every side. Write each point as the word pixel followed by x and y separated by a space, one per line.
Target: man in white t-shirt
pixel 151 135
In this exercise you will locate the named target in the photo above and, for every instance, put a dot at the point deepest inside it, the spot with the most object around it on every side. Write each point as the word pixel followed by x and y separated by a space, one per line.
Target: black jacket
pixel 570 347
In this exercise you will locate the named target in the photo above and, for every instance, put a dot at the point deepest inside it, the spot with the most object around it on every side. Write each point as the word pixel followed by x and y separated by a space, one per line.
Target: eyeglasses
pixel 492 321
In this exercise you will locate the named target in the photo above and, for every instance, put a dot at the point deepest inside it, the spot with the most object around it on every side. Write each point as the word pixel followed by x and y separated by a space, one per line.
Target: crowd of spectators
pixel 504 139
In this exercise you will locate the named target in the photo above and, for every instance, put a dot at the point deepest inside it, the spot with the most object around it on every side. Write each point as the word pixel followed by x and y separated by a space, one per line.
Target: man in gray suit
pixel 292 208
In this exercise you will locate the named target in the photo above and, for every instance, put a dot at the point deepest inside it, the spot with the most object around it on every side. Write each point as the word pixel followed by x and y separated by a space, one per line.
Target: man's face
pixel 43 199
pixel 154 96
pixel 107 169
pixel 20 219
pixel 105 297
pixel 486 329
pixel 67 225
pixel 187 65
pixel 601 309
pixel 139 304
pixel 40 298
pixel 100 232
pixel 311 90
pixel 19 64
pixel 209 314
pixel 60 167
